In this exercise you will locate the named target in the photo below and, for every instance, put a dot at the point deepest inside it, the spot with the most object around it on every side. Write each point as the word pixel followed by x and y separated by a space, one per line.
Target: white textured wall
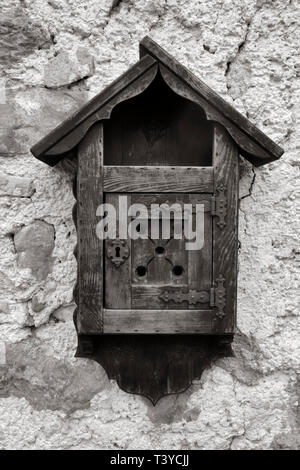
pixel 55 55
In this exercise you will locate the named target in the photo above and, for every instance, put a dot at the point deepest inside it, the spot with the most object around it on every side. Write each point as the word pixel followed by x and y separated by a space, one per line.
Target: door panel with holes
pixel 159 273
pixel 154 285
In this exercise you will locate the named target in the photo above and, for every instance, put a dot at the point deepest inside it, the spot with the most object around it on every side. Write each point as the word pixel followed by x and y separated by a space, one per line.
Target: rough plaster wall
pixel 55 55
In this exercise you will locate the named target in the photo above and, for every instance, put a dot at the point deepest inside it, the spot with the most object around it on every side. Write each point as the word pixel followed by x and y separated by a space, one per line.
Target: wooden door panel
pixel 158 321
pixel 157 269
pixel 225 243
pixel 200 261
pixel 89 318
pixel 158 127
pixel 153 296
pixel 117 280
pixel 149 179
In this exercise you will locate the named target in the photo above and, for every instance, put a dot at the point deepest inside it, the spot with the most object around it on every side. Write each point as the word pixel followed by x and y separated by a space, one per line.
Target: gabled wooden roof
pixel 253 144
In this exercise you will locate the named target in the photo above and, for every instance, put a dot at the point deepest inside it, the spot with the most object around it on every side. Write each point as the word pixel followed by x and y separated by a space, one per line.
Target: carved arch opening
pixel 158 127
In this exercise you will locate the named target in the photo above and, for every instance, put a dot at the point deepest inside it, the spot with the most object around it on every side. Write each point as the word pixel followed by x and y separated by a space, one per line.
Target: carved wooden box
pixel 151 311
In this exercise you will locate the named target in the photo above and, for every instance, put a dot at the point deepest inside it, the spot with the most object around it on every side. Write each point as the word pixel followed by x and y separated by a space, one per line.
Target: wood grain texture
pixel 158 128
pixel 254 151
pixel 225 240
pixel 254 144
pixel 154 365
pixel 68 134
pixel 177 299
pixel 151 295
pixel 157 321
pixel 196 265
pixel 90 248
pixel 181 199
pixel 269 150
pixel 159 266
pixel 117 293
pixel 157 179
pixel 200 261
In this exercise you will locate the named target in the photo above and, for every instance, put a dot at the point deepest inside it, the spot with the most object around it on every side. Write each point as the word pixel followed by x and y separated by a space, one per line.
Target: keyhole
pixel 117 251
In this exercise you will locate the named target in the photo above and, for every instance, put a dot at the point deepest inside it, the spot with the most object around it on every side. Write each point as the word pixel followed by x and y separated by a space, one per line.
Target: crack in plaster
pixel 250 186
pixel 237 436
pixel 240 49
pixel 245 214
pixel 242 44
pixel 67 86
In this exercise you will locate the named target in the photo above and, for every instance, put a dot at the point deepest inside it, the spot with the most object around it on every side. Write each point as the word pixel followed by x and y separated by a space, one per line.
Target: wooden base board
pixel 154 365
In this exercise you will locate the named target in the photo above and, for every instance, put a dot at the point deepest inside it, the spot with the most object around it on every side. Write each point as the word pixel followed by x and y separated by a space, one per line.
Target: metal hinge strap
pixel 219 205
pixel 191 296
pixel 218 297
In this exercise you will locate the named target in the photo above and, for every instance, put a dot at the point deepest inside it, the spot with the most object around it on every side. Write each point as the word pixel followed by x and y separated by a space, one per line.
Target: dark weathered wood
pixel 104 112
pixel 152 365
pixel 170 297
pixel 152 179
pixel 269 149
pixel 250 146
pixel 160 276
pixel 253 143
pixel 181 199
pixel 161 329
pixel 200 261
pixel 157 321
pixel 68 134
pixel 183 89
pixel 158 128
pixel 151 295
pixel 117 292
pixel 90 248
pixel 225 239
pixel 160 258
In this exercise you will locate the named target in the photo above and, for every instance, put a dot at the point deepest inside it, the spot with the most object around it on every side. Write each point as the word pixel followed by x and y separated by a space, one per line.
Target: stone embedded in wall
pixel 64 313
pixel 67 68
pixel 34 245
pixel 4 307
pixel 19 36
pixel 15 186
pixel 2 353
pixel 54 4
pixel 46 382
pixel 36 304
pixel 27 114
pixel 247 178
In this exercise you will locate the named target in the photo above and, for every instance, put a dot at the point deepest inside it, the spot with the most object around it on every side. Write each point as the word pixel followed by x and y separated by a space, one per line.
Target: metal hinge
pixel 219 205
pixel 218 297
pixel 191 296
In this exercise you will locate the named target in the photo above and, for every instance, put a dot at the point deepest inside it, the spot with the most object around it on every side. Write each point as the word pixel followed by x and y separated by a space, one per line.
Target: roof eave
pixel 254 145
pixel 270 151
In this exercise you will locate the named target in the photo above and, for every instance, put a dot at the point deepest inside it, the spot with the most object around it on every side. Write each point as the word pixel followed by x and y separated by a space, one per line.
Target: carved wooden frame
pixel 121 354
pixel 144 364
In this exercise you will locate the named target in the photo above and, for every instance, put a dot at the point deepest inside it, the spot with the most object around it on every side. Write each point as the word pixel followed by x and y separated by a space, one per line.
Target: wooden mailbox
pixel 153 313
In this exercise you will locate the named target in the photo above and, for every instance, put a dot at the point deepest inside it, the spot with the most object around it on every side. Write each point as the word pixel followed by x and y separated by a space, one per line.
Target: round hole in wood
pixel 159 250
pixel 177 270
pixel 141 271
